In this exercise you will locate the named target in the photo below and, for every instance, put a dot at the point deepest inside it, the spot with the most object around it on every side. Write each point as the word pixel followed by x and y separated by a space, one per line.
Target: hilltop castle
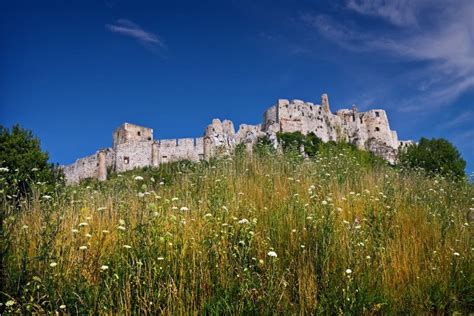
pixel 133 146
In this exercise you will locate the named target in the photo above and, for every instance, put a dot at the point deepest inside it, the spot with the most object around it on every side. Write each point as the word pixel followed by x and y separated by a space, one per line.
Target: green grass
pixel 351 235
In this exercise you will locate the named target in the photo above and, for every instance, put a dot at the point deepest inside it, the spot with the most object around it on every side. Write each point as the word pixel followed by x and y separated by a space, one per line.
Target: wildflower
pixel 74 231
pixel 127 246
pixel 348 271
pixel 121 228
pixel 174 199
pixel 105 231
pixel 4 169
pixel 244 221
pixel 104 267
pixel 83 224
pixel 184 209
pixel 138 178
pixel 53 264
pixel 62 306
pixel 10 302
pixel 324 202
pixel 24 227
pixel 339 209
pixel 140 194
pixel 272 254
pixel 121 222
pixel 208 215
pixel 47 197
pixel 82 247
pixel 102 208
pixel 456 254
pixel 160 258
pixel 368 257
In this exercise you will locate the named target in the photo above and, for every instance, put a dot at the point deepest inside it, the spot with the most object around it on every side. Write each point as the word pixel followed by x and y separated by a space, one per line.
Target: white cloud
pixel 446 47
pixel 460 120
pixel 130 29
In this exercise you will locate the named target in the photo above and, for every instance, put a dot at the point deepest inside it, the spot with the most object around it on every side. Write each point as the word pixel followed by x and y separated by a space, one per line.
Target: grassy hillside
pixel 339 233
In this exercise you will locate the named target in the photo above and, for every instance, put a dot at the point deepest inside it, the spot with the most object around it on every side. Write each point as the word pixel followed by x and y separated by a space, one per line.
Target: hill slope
pixel 264 234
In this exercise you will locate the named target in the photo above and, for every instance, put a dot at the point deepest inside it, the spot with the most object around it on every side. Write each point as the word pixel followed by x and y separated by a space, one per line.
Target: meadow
pixel 340 233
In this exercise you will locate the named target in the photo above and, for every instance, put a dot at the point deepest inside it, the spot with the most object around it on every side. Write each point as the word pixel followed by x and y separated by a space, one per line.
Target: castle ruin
pixel 134 146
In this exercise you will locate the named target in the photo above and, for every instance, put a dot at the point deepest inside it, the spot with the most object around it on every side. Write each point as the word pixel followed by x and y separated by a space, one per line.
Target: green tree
pixel 23 163
pixel 436 156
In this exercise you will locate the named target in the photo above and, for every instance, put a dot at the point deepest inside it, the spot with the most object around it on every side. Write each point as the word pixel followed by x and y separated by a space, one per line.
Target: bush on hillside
pixel 436 156
pixel 23 163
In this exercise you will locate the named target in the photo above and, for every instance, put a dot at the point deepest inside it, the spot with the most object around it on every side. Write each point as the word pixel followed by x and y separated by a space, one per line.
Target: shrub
pixel 436 156
pixel 23 162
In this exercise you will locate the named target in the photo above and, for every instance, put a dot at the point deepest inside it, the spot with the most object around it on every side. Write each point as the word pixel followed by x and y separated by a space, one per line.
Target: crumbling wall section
pixel 133 155
pixel 181 149
pixel 88 167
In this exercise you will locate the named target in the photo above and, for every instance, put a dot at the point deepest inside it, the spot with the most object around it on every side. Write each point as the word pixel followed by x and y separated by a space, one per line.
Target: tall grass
pixel 335 234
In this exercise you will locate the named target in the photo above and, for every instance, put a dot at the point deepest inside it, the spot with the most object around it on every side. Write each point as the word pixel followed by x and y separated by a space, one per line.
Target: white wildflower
pixel 184 209
pixel 83 224
pixel 138 178
pixel 244 221
pixel 127 246
pixel 272 254
pixel 83 248
pixel 348 271
pixel 53 264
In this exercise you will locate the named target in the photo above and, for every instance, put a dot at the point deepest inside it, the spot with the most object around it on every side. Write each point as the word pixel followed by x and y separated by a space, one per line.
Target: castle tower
pixel 325 103
pixel 128 133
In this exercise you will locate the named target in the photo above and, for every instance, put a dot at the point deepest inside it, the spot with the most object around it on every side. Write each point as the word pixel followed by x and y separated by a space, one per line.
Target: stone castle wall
pixel 133 146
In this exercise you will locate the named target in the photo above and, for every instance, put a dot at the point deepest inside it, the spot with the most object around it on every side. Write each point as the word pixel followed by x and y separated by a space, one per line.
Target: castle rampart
pixel 133 146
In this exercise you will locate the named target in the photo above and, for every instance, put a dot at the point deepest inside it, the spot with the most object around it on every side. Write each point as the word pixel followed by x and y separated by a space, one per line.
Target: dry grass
pixel 350 237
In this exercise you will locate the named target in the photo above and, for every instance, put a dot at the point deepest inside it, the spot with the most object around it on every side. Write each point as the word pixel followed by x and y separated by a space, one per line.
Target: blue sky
pixel 72 71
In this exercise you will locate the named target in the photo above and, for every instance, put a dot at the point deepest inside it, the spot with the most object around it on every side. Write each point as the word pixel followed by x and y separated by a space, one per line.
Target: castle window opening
pixel 377 114
pixel 139 133
pixel 126 160
pixel 360 119
pixel 149 138
pixel 377 129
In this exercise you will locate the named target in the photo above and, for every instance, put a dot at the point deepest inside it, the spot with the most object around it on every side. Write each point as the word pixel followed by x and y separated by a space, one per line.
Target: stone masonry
pixel 133 146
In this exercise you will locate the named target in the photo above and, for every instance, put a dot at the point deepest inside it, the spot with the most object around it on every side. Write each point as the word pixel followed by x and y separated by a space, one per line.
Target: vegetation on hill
pixel 24 162
pixel 339 232
pixel 435 156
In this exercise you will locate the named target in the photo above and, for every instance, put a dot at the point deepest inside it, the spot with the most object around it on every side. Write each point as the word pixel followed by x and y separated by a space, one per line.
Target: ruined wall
pixel 133 145
pixel 133 155
pixel 180 149
pixel 88 167
pixel 219 138
pixel 307 117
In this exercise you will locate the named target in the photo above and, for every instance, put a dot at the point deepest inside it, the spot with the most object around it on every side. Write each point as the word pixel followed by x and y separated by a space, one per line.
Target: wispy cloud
pixel 460 120
pixel 133 30
pixel 445 47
